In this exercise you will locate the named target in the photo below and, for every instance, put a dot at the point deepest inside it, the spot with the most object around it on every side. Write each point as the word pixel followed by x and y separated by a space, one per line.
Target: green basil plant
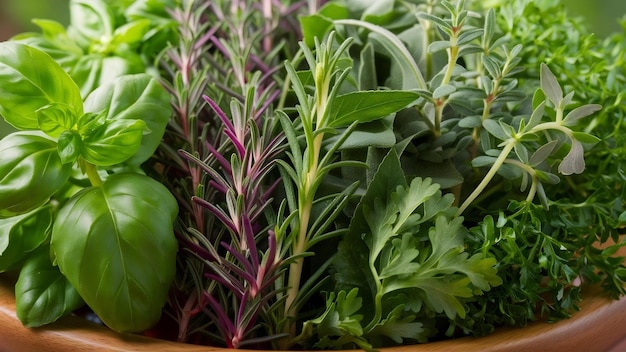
pixel 79 221
pixel 103 42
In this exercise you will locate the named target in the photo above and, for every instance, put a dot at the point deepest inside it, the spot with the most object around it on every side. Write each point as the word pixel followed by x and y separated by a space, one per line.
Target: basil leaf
pixel 69 146
pixel 31 171
pixel 135 97
pixel 115 244
pixel 91 21
pixel 54 41
pixel 94 70
pixel 30 80
pixel 55 118
pixel 42 293
pixel 22 234
pixel 113 142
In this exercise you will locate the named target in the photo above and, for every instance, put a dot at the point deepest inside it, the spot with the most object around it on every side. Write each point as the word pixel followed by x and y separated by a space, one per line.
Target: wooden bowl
pixel 600 325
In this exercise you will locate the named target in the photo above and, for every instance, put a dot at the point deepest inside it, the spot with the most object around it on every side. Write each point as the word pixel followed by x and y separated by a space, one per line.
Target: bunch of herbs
pixel 346 174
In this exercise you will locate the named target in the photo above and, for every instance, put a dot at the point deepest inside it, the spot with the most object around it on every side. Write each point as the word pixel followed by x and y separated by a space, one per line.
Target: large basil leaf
pixel 133 97
pixel 42 293
pixel 91 20
pixel 31 171
pixel 21 234
pixel 115 244
pixel 30 80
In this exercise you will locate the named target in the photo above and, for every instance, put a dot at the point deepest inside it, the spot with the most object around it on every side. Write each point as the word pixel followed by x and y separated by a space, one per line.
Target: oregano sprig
pixel 513 140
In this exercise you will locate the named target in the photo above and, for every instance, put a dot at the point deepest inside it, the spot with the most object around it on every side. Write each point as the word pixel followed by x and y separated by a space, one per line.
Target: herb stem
pixel 510 144
pixel 453 53
pixel 92 174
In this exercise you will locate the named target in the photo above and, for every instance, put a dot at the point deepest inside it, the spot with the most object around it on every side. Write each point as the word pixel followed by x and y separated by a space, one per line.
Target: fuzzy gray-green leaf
pixel 550 85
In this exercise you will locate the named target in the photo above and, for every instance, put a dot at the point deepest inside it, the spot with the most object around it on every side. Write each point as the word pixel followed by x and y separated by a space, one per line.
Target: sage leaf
pixel 542 153
pixel 550 85
pixel 582 111
pixel 574 161
pixel 496 129
pixel 115 244
pixel 443 91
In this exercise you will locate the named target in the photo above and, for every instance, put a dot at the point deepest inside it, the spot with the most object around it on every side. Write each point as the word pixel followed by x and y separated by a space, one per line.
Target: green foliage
pixel 126 98
pixel 105 39
pixel 42 293
pixel 127 241
pixel 404 255
pixel 104 235
pixel 444 169
pixel 498 125
pixel 29 87
pixel 32 173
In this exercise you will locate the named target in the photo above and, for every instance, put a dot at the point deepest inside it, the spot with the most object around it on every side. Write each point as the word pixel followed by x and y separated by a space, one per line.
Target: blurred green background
pixel 15 15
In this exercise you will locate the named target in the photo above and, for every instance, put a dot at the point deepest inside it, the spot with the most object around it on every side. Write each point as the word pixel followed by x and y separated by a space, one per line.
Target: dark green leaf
pixel 21 234
pixel 42 293
pixel 115 244
pixel 31 171
pixel 585 138
pixel 364 106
